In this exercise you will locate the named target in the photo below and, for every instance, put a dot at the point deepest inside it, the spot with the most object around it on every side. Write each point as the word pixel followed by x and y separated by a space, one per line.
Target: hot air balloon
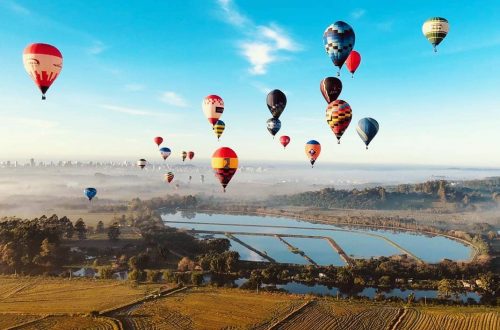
pixel 213 107
pixel 142 163
pixel 184 155
pixel 313 149
pixel 367 129
pixel 435 30
pixel 90 193
pixel 338 117
pixel 330 87
pixel 339 40
pixel 158 140
pixel 225 164
pixel 202 178
pixel 191 155
pixel 273 126
pixel 276 102
pixel 169 177
pixel 219 128
pixel 190 178
pixel 43 63
pixel 165 152
pixel 352 62
pixel 284 140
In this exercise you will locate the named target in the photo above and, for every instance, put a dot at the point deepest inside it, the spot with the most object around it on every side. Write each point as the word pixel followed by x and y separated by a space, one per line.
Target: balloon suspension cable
pixel 338 73
pixel 338 141
pixel 435 49
pixel 352 75
pixel 224 189
pixel 366 147
pixel 43 97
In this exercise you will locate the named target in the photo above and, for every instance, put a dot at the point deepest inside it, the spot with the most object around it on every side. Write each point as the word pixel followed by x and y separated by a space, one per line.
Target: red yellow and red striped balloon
pixel 225 164
pixel 338 117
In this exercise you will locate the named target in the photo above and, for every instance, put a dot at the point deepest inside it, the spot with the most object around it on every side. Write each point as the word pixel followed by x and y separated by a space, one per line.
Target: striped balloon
pixel 367 129
pixel 225 164
pixel 338 117
pixel 435 30
pixel 142 163
pixel 219 128
pixel 184 155
pixel 339 41
pixel 313 149
pixel 169 177
pixel 165 152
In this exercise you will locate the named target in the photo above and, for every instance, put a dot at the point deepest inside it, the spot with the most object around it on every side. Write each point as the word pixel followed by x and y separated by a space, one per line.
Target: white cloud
pixel 264 43
pixel 358 13
pixel 134 87
pixel 174 99
pixel 31 123
pixel 130 111
pixel 96 48
pixel 15 7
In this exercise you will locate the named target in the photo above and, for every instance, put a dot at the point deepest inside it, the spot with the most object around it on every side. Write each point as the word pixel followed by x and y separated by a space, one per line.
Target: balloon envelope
pixel 43 63
pixel 276 102
pixel 141 163
pixel 338 117
pixel 339 40
pixel 284 140
pixel 435 30
pixel 313 149
pixel 165 152
pixel 330 87
pixel 273 126
pixel 90 193
pixel 367 129
pixel 169 177
pixel 213 107
pixel 353 61
pixel 158 140
pixel 219 128
pixel 184 155
pixel 191 155
pixel 225 164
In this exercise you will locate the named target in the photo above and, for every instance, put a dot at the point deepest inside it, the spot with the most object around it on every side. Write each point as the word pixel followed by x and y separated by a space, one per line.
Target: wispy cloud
pixel 134 87
pixel 15 7
pixel 264 44
pixel 358 13
pixel 96 48
pixel 130 111
pixel 31 123
pixel 174 99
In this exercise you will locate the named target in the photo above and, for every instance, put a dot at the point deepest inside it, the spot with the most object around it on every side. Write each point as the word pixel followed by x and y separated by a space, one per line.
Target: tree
pixel 196 278
pixel 185 264
pixel 106 272
pixel 153 276
pixel 114 232
pixel 81 229
pixel 442 191
pixel 100 227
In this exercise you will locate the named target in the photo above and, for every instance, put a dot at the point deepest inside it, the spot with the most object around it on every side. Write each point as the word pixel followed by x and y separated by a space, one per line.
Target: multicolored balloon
pixel 313 149
pixel 142 163
pixel 338 117
pixel 213 107
pixel 367 129
pixel 90 193
pixel 225 164
pixel 43 63
pixel 169 177
pixel 165 152
pixel 284 140
pixel 219 128
pixel 276 102
pixel 352 62
pixel 339 41
pixel 158 140
pixel 273 126
pixel 184 154
pixel 191 155
pixel 435 30
pixel 331 88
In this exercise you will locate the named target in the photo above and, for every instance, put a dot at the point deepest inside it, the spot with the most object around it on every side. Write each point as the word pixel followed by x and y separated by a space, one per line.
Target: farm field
pixel 70 322
pixel 38 295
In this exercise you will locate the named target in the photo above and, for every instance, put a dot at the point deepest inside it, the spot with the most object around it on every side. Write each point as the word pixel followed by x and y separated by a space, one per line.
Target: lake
pixel 357 243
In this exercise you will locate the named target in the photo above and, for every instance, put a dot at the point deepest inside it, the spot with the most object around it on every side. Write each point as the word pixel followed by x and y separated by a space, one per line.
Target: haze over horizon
pixel 127 80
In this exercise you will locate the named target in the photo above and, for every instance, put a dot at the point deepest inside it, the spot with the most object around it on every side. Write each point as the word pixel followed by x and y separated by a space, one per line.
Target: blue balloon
pixel 367 129
pixel 90 193
pixel 273 126
pixel 339 41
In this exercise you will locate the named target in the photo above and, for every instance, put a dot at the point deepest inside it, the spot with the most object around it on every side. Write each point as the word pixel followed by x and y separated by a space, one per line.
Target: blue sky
pixel 135 71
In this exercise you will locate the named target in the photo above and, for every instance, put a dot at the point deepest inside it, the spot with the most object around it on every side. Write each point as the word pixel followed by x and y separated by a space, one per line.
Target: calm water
pixel 370 292
pixel 355 243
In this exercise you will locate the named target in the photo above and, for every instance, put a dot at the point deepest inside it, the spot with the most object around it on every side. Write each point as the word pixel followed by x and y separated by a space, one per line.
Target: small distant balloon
pixel 169 177
pixel 191 155
pixel 90 193
pixel 142 163
pixel 338 117
pixel 331 88
pixel 219 128
pixel 225 165
pixel 184 155
pixel 284 140
pixel 213 107
pixel 435 30
pixel 273 126
pixel 313 149
pixel 158 140
pixel 367 129
pixel 43 62
pixel 165 152
pixel 352 62
pixel 276 102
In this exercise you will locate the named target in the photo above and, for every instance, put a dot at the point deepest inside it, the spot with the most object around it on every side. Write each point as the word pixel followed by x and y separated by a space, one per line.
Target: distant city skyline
pixel 133 72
